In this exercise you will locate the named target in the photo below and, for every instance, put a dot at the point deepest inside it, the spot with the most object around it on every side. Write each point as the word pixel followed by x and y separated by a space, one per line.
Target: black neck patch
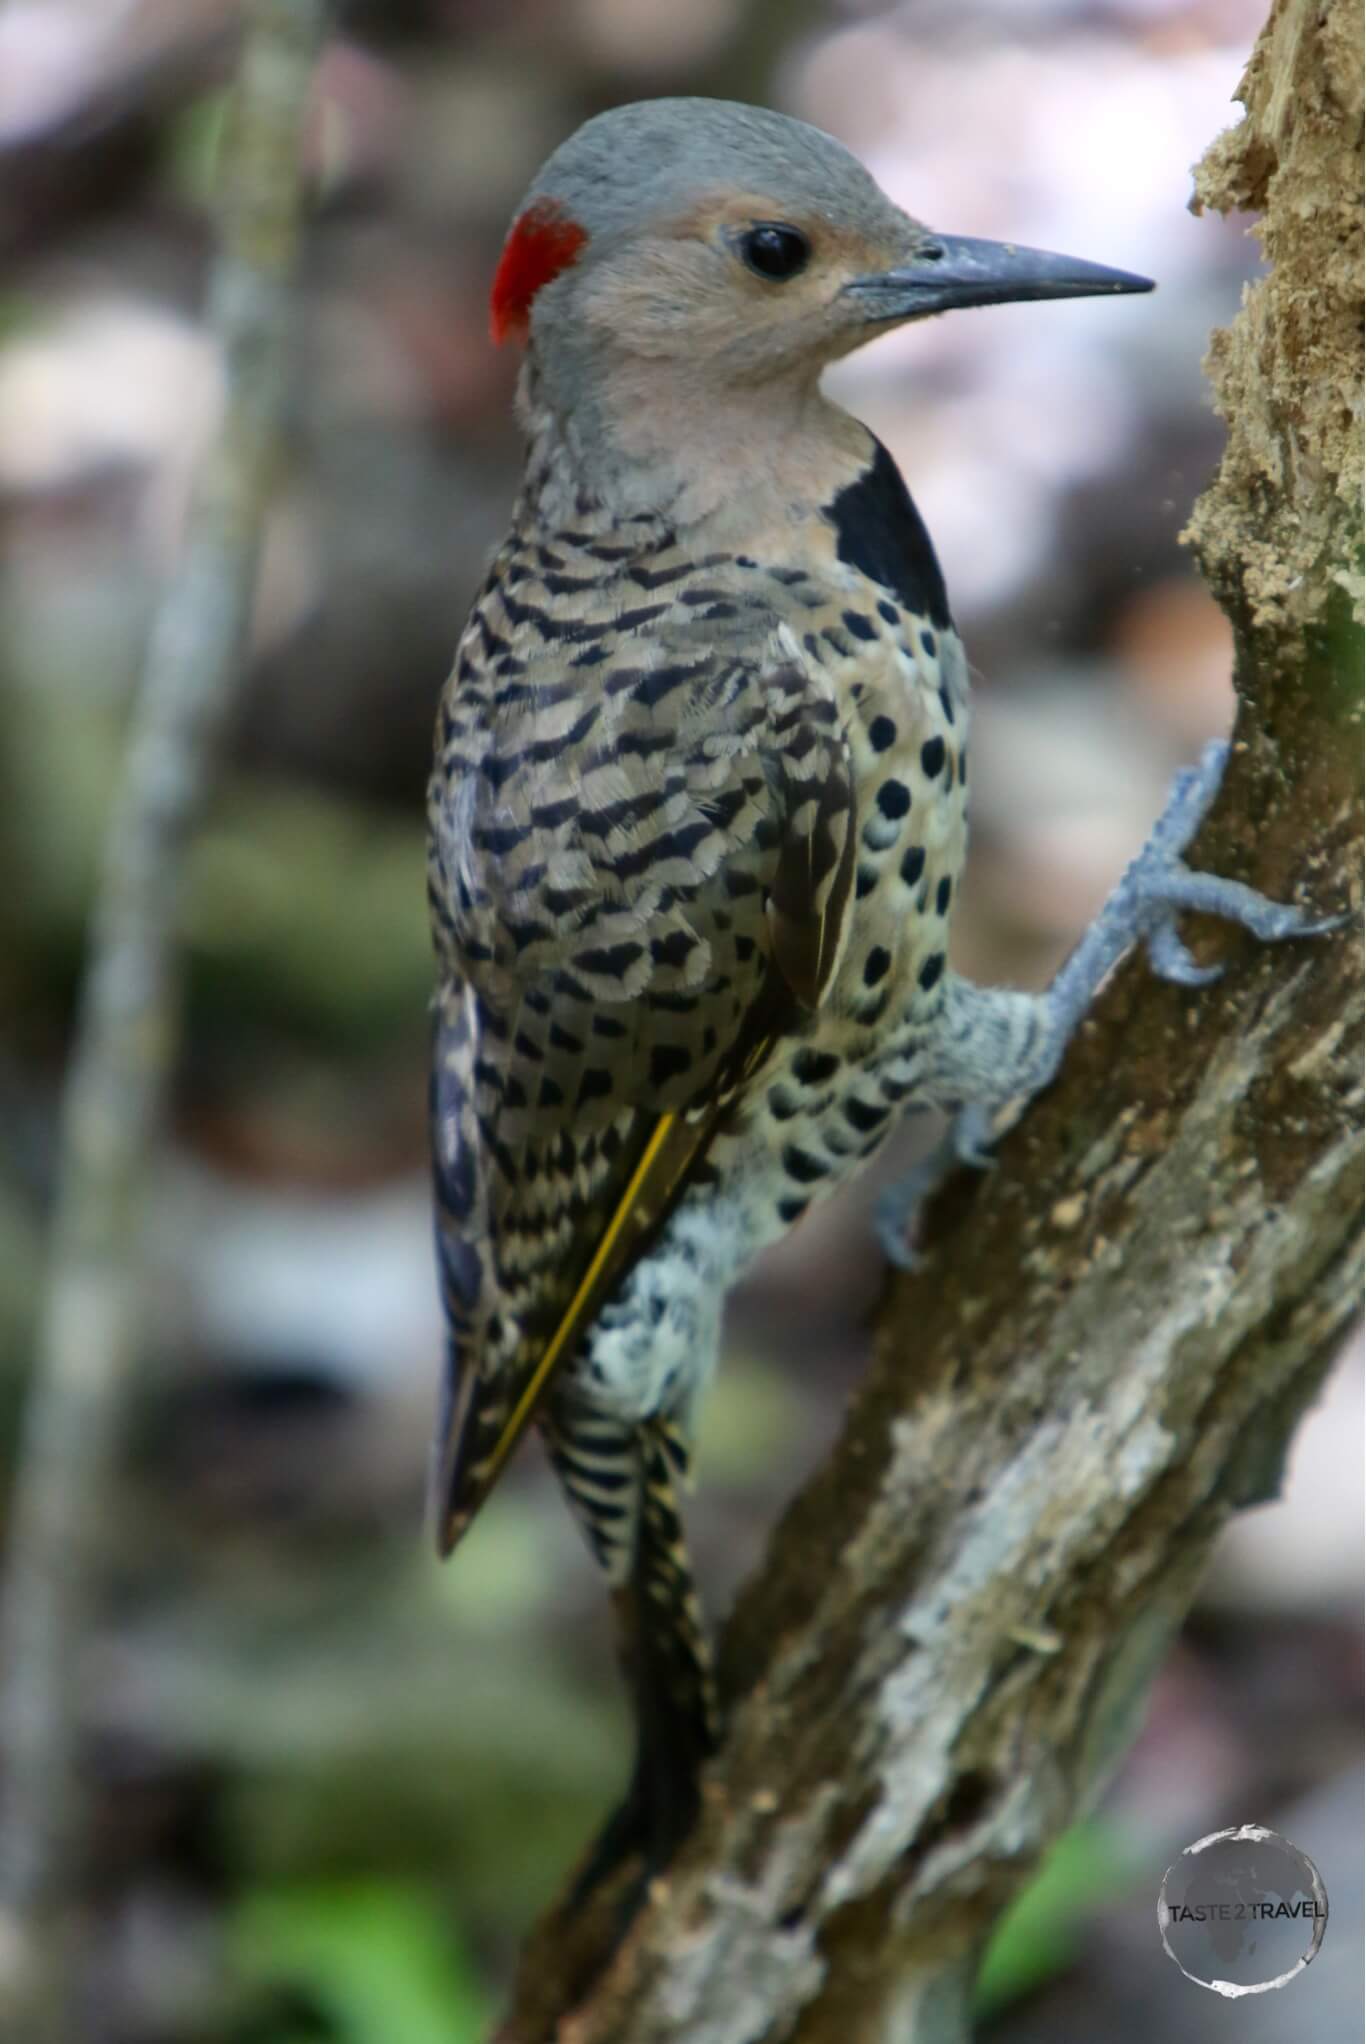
pixel 881 533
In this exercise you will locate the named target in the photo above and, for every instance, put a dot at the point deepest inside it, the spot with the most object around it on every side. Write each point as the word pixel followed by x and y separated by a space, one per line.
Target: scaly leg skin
pixel 995 1048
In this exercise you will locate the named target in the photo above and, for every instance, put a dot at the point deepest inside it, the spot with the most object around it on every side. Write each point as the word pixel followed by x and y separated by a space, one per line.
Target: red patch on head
pixel 543 241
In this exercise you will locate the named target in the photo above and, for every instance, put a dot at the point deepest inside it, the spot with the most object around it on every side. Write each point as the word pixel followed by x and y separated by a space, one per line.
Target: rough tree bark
pixel 1114 1334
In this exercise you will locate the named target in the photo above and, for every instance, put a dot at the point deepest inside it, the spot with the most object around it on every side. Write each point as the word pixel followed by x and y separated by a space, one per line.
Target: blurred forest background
pixel 330 1782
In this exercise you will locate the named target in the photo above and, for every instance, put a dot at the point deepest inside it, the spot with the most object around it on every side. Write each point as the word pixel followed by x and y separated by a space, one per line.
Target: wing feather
pixel 621 950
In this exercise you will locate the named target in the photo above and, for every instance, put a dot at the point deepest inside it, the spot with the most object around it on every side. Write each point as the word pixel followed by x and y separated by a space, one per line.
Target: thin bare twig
pixel 88 1342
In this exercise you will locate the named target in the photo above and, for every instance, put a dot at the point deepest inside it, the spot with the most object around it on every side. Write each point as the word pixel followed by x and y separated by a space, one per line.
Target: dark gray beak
pixel 952 270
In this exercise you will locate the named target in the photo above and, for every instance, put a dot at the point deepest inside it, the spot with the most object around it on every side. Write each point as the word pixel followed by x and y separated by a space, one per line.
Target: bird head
pixel 682 270
pixel 739 245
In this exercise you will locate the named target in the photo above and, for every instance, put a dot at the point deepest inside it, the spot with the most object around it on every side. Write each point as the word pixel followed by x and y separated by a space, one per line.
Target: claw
pixel 967 1141
pixel 1161 880
pixel 971 1138
pixel 1163 883
pixel 895 1244
pixel 893 1216
pixel 1170 959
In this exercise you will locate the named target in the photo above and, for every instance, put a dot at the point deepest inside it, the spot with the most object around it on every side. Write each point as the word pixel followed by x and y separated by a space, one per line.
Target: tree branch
pixel 949 1645
pixel 88 1341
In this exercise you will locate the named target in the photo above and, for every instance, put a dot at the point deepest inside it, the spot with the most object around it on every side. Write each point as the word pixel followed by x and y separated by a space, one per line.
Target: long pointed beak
pixel 953 270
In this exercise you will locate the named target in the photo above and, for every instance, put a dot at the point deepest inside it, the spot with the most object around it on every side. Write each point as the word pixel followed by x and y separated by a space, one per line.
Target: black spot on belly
pixel 814 1067
pixel 931 970
pixel 791 1210
pixel 864 1115
pixel 801 1165
pixel 881 733
pixel 880 532
pixel 894 797
pixel 932 758
pixel 913 865
pixel 943 894
pixel 876 965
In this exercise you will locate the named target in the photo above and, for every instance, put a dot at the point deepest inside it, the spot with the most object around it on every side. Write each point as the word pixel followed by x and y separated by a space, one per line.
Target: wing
pixel 635 891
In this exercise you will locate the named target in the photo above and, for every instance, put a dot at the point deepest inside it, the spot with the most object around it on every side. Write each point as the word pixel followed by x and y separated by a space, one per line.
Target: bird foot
pixel 967 1141
pixel 1144 908
pixel 1159 885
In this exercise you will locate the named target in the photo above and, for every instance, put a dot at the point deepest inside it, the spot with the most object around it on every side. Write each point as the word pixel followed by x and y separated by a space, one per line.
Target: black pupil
pixel 775 252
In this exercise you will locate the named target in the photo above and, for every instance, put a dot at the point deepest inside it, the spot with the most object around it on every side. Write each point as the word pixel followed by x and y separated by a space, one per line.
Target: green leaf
pixel 1039 1935
pixel 379 1960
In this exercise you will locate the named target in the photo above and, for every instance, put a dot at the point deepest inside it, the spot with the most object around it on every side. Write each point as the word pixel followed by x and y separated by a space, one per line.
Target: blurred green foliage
pixel 1042 1933
pixel 311 911
pixel 303 912
pixel 377 1960
pixel 190 147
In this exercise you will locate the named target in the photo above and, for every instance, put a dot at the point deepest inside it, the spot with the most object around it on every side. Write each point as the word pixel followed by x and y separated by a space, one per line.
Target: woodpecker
pixel 697 821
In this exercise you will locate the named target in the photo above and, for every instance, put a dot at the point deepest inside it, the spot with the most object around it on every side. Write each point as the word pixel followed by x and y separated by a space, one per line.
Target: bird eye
pixel 774 251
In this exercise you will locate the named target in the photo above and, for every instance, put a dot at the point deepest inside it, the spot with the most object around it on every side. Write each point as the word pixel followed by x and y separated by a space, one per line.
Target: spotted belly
pixel 824 1107
pixel 827 1098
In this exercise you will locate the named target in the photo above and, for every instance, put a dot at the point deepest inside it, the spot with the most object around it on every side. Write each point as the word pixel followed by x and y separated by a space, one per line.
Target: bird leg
pixel 996 1048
